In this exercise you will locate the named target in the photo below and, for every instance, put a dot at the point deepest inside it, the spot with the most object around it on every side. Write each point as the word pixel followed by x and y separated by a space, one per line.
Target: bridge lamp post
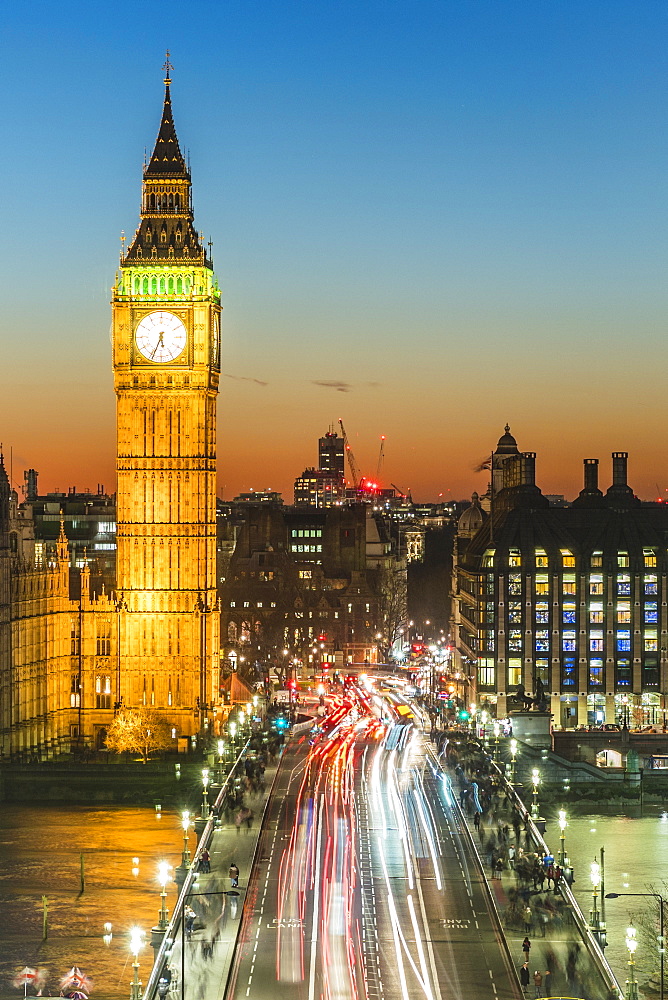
pixel 205 793
pixel 221 751
pixel 497 730
pixel 535 779
pixel 513 757
pixel 185 823
pixel 562 839
pixel 136 941
pixel 631 945
pixel 662 950
pixel 163 878
pixel 594 916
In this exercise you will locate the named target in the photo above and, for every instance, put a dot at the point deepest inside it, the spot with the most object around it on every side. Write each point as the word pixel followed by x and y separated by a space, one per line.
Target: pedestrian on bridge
pixel 524 977
pixel 234 875
pixel 538 983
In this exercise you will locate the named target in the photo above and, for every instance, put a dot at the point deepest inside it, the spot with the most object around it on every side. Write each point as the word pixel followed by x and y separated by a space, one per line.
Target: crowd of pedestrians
pixel 529 898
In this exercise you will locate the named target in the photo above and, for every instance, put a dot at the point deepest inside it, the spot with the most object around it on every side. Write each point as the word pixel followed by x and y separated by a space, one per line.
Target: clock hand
pixel 159 344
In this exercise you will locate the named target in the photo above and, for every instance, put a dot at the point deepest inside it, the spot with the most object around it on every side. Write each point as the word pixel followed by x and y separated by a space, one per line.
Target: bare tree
pixel 390 589
pixel 139 730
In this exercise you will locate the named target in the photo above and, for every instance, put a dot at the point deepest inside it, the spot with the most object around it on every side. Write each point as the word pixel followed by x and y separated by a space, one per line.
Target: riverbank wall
pixel 112 783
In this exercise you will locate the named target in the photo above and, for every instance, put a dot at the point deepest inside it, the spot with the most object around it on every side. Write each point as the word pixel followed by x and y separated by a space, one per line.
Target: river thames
pixel 636 859
pixel 40 854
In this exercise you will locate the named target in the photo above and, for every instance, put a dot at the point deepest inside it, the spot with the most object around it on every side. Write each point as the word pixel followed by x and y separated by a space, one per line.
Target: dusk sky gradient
pixel 455 211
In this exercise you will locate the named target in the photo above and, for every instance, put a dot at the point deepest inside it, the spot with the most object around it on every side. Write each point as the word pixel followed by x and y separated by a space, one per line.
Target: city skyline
pixel 427 222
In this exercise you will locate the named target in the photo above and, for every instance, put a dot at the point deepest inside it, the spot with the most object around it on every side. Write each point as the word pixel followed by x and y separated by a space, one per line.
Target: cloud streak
pixel 245 378
pixel 332 384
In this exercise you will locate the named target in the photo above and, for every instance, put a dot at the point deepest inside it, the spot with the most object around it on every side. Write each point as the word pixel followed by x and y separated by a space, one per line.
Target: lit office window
pixel 515 612
pixel 596 613
pixel 651 613
pixel 515 640
pixel 542 609
pixel 596 641
pixel 514 672
pixel 542 640
pixel 568 672
pixel 623 612
pixel 568 640
pixel 650 641
pixel 624 640
pixel 595 673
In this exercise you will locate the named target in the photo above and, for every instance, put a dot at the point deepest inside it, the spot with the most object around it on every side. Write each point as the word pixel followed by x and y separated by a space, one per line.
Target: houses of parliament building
pixel 66 665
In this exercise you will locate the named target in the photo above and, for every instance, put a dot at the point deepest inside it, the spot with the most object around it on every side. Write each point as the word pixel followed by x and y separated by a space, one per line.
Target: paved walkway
pixel 556 944
pixel 200 961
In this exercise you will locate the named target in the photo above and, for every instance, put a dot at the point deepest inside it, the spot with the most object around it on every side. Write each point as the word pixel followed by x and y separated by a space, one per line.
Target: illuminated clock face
pixel 160 337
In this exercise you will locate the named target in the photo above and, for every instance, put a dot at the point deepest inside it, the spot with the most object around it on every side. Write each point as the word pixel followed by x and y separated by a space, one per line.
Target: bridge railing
pixel 175 926
pixel 589 938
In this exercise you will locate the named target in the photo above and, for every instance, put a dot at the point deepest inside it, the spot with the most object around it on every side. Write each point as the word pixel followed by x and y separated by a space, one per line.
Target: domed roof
pixel 507 444
pixel 472 518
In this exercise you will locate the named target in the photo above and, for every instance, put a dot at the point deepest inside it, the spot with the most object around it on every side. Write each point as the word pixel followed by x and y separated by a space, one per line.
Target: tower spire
pixel 167 159
pixel 166 232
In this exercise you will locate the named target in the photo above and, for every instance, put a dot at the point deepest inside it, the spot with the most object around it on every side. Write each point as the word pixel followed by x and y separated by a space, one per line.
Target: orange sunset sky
pixel 427 219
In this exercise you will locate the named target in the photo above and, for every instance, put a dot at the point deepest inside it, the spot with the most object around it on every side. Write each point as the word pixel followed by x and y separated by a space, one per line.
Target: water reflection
pixel 40 854
pixel 636 857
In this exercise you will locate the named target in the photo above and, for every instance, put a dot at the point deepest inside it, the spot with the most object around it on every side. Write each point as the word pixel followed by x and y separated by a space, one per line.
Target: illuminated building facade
pixel 575 597
pixel 166 359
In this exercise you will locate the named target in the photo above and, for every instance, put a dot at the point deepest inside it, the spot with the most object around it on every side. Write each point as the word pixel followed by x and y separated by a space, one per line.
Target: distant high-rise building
pixel 30 484
pixel 330 454
pixel 315 488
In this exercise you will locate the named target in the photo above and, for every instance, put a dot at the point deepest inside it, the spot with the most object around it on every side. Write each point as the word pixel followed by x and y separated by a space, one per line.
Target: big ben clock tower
pixel 166 359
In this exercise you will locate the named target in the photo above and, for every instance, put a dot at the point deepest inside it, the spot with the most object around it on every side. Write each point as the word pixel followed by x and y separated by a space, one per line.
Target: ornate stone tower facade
pixel 166 358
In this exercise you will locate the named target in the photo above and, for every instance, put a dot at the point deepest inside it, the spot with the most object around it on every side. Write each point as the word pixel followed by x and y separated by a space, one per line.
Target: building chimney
pixel 591 474
pixel 619 473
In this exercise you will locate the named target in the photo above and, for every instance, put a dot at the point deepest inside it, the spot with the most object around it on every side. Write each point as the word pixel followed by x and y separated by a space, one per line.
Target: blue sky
pixel 455 210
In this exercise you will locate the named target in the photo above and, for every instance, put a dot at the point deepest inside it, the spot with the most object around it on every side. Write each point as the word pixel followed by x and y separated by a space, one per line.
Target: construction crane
pixel 354 473
pixel 381 456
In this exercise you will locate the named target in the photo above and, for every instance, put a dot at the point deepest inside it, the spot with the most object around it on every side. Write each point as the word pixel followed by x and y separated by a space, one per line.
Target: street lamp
pixel 662 950
pixel 163 877
pixel 136 941
pixel 185 823
pixel 205 793
pixel 497 730
pixel 594 915
pixel 631 945
pixel 562 839
pixel 535 778
pixel 513 755
pixel 221 751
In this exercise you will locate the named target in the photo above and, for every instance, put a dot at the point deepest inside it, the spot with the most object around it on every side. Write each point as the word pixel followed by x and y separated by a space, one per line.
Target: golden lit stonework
pixel 166 346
